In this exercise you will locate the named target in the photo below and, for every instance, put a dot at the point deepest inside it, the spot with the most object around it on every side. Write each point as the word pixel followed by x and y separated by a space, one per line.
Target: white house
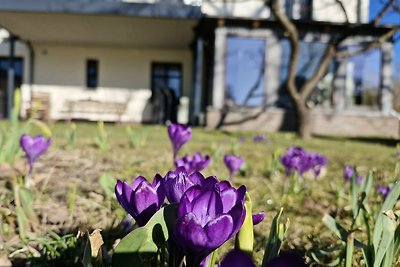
pixel 132 60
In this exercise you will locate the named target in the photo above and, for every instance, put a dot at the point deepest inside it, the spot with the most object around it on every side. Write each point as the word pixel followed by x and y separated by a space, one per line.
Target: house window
pixel 92 73
pixel 362 77
pixel 18 68
pixel 308 62
pixel 299 9
pixel 245 65
pixel 167 76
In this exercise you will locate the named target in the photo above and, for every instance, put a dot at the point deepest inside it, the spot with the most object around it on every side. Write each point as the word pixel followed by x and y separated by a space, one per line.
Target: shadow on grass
pixel 391 142
pixel 71 254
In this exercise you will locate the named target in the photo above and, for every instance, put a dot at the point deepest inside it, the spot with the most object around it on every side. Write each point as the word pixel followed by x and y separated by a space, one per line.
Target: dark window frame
pixel 89 80
pixel 167 65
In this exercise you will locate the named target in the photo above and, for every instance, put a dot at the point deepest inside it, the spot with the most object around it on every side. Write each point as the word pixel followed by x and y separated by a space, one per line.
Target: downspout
pixel 31 72
pixel 11 77
pixel 31 63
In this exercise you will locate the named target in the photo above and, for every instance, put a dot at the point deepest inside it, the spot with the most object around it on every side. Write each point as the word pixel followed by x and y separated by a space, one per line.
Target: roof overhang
pixel 107 23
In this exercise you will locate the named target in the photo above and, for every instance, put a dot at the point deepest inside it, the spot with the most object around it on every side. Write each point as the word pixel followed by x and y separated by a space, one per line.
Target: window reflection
pixel 245 64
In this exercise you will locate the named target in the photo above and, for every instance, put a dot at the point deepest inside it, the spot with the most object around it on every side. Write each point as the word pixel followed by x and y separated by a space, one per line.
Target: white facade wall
pixel 124 77
pixel 329 10
pixel 323 10
pixel 241 9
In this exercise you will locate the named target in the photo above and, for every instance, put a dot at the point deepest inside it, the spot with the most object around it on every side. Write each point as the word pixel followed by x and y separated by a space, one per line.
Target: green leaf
pixel 107 183
pixel 26 199
pixel 391 199
pixel 22 220
pixel 389 228
pixel 141 246
pixel 338 230
pixel 349 249
pixel 275 238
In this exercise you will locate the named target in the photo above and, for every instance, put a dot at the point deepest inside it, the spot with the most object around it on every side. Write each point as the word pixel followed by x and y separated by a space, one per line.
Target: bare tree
pixel 300 93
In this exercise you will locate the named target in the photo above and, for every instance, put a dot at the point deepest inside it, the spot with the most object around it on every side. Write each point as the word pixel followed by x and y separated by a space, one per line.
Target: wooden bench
pixel 77 109
pixel 40 106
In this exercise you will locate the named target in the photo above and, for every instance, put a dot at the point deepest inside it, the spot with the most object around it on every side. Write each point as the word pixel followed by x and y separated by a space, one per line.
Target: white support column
pixel 339 86
pixel 386 88
pixel 219 67
pixel 273 57
pixel 195 105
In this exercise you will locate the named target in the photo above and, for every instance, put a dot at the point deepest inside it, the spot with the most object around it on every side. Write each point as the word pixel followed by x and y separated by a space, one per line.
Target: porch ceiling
pixel 103 30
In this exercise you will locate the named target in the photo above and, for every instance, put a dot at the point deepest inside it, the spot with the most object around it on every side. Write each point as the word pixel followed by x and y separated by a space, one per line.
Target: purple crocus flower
pixel 237 258
pixel 295 160
pixel 360 179
pixel 317 162
pixel 233 163
pixel 242 139
pixel 175 183
pixel 258 218
pixel 33 148
pixel 179 134
pixel 209 214
pixel 259 138
pixel 348 173
pixel 195 164
pixel 384 190
pixel 142 199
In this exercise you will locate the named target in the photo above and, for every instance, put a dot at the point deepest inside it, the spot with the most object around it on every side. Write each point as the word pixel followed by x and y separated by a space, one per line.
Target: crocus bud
pixel 245 237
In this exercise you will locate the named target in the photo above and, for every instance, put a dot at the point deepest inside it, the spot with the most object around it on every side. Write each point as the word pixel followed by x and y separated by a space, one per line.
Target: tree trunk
pixel 304 122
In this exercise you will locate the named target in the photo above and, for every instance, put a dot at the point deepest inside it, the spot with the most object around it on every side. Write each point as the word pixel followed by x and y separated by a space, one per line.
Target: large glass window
pixel 4 65
pixel 309 59
pixel 245 64
pixel 363 78
pixel 167 76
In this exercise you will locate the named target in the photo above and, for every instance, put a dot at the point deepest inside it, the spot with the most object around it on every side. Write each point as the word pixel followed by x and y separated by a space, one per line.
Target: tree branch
pixel 311 83
pixel 382 13
pixel 293 35
pixel 375 44
pixel 346 16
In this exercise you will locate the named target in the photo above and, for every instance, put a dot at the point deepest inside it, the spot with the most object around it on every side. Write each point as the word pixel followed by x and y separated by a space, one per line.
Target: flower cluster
pixel 210 212
pixel 349 172
pixel 195 164
pixel 297 160
pixel 259 138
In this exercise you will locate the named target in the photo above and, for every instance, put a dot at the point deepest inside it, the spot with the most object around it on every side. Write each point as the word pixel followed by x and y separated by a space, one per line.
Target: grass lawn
pixel 68 193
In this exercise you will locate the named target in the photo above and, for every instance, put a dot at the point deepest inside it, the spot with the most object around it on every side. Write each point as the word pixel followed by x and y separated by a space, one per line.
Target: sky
pixel 390 18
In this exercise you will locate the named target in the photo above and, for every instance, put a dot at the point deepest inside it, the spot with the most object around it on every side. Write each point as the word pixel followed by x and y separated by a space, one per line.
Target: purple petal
pixel 218 231
pixel 258 217
pixel 237 258
pixel 123 193
pixel 209 183
pixel 143 197
pixel 185 205
pixel 137 182
pixel 223 185
pixel 229 199
pixel 196 178
pixel 207 206
pixel 189 232
pixel 238 214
